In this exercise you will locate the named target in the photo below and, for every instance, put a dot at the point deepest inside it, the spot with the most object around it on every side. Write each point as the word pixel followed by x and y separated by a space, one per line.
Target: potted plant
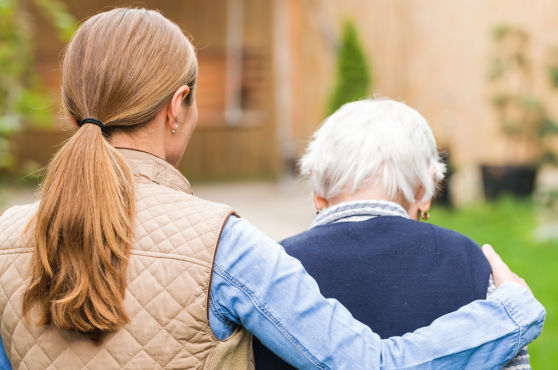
pixel 523 117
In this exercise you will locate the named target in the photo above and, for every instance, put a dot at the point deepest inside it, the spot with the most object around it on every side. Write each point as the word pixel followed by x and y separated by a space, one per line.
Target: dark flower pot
pixel 516 180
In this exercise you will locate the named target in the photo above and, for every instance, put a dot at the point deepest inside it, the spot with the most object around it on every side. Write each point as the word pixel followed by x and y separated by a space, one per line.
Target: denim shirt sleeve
pixel 4 363
pixel 521 360
pixel 257 285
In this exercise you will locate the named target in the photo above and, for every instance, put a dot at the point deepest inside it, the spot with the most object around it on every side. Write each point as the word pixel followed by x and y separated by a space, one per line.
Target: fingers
pixel 494 258
pixel 491 254
pixel 524 283
pixel 500 271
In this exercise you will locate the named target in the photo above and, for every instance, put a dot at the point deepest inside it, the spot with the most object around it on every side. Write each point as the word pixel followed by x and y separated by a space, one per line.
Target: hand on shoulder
pixel 500 271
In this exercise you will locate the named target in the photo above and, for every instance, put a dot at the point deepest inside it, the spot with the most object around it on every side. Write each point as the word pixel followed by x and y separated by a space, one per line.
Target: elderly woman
pixel 374 168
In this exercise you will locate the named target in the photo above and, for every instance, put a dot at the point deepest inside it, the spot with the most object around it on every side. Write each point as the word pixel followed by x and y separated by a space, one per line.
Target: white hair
pixel 369 141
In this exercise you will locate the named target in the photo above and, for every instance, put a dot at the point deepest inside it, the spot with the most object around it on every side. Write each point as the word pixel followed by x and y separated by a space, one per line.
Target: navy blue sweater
pixel 393 274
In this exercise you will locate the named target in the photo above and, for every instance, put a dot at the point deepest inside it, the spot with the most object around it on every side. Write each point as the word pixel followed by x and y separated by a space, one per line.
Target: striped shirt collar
pixel 358 210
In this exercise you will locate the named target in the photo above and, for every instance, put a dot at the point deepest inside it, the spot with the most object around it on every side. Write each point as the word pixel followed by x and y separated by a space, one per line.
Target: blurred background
pixel 484 73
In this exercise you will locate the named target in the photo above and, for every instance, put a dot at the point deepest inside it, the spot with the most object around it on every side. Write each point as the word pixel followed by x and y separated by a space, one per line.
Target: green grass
pixel 508 226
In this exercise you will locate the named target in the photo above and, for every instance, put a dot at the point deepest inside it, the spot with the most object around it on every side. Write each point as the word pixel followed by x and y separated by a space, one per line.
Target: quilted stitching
pixel 175 236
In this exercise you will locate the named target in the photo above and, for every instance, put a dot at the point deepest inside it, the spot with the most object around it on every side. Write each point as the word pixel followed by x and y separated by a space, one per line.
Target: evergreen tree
pixel 353 77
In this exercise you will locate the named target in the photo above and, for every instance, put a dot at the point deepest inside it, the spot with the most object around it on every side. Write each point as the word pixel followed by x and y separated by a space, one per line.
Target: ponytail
pixel 83 235
pixel 121 68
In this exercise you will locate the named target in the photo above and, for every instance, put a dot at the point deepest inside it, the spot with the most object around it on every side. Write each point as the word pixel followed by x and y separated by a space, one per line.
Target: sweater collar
pixel 155 169
pixel 358 210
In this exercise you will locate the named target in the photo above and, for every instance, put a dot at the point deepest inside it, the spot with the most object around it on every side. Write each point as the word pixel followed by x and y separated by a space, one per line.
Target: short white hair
pixel 373 140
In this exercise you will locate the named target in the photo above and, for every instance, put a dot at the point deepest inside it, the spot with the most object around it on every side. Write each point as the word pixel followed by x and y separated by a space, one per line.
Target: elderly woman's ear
pixel 421 207
pixel 319 202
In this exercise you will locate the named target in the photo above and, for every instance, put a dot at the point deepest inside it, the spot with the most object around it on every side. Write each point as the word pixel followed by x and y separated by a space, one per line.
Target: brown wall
pixel 317 23
pixel 433 55
pixel 449 56
pixel 217 149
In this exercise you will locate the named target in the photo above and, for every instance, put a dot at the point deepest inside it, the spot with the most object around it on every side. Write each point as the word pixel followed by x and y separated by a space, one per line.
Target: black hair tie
pixel 93 121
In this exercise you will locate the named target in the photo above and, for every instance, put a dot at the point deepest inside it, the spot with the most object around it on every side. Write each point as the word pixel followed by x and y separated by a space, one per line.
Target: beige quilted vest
pixel 169 277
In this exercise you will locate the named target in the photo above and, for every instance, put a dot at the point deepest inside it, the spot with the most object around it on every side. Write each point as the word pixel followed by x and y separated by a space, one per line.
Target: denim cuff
pixel 524 309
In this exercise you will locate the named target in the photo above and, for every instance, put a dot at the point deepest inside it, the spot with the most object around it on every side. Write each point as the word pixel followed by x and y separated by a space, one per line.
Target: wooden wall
pixel 216 150
pixel 431 54
pixel 449 51
pixel 317 25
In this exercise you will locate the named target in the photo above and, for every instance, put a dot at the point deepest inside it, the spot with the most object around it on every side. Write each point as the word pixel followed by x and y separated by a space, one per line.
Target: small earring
pixel 175 128
pixel 318 212
pixel 425 215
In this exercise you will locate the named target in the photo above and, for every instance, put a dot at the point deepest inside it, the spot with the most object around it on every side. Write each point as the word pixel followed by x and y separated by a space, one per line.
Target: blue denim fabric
pixel 4 363
pixel 257 285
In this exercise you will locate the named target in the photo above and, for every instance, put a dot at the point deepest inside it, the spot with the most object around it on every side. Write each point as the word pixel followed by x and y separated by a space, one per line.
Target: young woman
pixel 374 168
pixel 119 266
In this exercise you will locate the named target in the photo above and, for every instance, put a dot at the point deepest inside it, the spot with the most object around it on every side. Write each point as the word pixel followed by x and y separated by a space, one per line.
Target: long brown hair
pixel 121 67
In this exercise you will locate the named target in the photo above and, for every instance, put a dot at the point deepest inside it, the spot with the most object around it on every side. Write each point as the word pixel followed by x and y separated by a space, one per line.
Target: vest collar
pixel 155 169
pixel 358 210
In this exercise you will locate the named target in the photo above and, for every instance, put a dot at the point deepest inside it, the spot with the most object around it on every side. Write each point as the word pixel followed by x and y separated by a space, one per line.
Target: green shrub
pixel 353 78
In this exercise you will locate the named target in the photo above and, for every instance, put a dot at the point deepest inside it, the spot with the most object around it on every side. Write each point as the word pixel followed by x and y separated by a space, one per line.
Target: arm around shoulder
pixel 259 286
pixel 483 334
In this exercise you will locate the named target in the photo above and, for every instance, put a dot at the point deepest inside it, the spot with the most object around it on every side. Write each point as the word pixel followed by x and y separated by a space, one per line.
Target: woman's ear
pixel 74 121
pixel 175 106
pixel 419 205
pixel 319 202
pixel 424 206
